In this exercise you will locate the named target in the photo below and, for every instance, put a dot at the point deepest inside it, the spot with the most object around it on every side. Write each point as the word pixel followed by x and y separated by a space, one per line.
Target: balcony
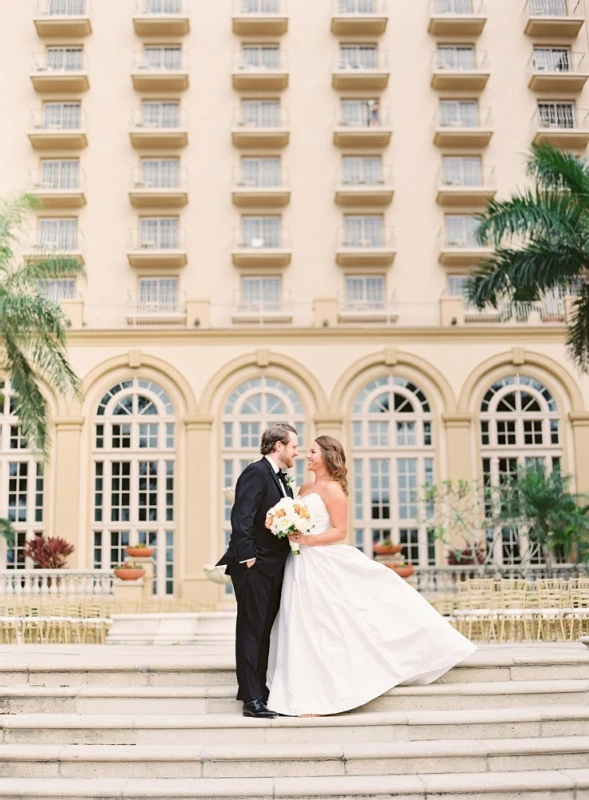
pixel 550 310
pixel 167 18
pixel 163 132
pixel 359 17
pixel 261 130
pixel 164 250
pixel 466 190
pixel 372 190
pixel 275 251
pixel 150 76
pixel 272 76
pixel 453 72
pixel 369 251
pixel 66 246
pixel 260 17
pixel 350 73
pixel 461 251
pixel 363 312
pixel 60 192
pixel 70 77
pixel 69 18
pixel 463 130
pixel 157 313
pixel 368 129
pixel 270 191
pixel 568 128
pixel 58 134
pixel 457 17
pixel 560 72
pixel 165 191
pixel 554 17
pixel 265 312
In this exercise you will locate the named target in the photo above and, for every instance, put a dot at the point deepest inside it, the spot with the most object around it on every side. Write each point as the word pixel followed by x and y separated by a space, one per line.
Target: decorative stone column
pixel 66 501
pixel 459 464
pixel 580 425
pixel 329 425
pixel 198 517
pixel 325 312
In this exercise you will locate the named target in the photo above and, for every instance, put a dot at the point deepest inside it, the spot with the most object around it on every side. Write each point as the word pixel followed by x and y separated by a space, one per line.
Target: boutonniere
pixel 290 481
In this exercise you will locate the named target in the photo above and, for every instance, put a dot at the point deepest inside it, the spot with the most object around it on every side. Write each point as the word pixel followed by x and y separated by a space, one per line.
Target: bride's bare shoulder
pixel 332 490
pixel 305 488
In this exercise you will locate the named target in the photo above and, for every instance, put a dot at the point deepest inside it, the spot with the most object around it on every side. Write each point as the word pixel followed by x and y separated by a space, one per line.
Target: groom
pixel 255 561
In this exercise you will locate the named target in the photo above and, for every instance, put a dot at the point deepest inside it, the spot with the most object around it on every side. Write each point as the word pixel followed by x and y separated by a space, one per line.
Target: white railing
pixel 59 182
pixel 261 118
pixel 360 60
pixel 458 8
pixel 372 178
pixel 359 8
pixel 162 63
pixel 559 62
pixel 161 178
pixel 385 307
pixel 447 580
pixel 467 178
pixel 38 582
pixel 73 62
pixel 561 118
pixel 162 239
pixel 160 8
pixel 449 59
pixel 163 119
pixel 272 240
pixel 367 239
pixel 263 178
pixel 260 59
pixel 367 114
pixel 259 7
pixel 68 120
pixel 549 309
pixel 555 8
pixel 63 8
pixel 64 242
pixel 456 118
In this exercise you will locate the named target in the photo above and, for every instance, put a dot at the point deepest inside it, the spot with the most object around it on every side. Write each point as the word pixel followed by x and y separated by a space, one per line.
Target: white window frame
pixel 261 293
pixel 59 173
pixel 158 294
pixel 462 170
pixel 365 292
pixel 362 170
pixel 261 231
pixel 364 230
pixel 160 173
pixel 160 233
pixel 58 233
pixel 160 114
pixel 261 171
pixel 459 113
pixel 460 230
pixel 62 116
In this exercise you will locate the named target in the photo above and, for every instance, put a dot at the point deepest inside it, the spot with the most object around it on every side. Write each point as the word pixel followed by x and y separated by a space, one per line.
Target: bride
pixel 348 628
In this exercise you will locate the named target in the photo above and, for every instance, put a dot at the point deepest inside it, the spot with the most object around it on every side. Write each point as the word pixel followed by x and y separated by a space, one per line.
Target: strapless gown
pixel 349 629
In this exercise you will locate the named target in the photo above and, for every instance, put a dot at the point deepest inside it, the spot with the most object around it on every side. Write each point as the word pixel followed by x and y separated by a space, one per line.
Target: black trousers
pixel 258 599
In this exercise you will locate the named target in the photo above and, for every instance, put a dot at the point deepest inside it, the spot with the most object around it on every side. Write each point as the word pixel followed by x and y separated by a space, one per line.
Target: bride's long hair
pixel 334 459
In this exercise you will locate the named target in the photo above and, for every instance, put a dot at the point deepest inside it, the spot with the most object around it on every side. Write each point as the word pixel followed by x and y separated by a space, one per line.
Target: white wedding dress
pixel 349 629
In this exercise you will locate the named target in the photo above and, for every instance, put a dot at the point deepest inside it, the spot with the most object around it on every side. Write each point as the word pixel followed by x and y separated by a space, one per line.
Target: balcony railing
pixel 466 119
pixel 60 182
pixel 550 309
pixel 63 244
pixel 561 119
pixel 369 180
pixel 278 240
pixel 160 8
pixel 555 8
pixel 360 8
pixel 172 180
pixel 372 115
pixel 254 7
pixel 367 240
pixel 164 121
pixel 383 310
pixel 467 180
pixel 271 179
pixel 276 62
pixel 370 61
pixel 73 62
pixel 261 120
pixel 164 311
pixel 558 62
pixel 41 121
pixel 457 7
pixel 63 582
pixel 63 8
pixel 145 63
pixel 160 240
pixel 455 61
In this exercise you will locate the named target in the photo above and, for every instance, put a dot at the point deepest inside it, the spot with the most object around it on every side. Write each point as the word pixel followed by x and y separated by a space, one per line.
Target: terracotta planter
pixel 386 549
pixel 139 551
pixel 129 574
pixel 402 572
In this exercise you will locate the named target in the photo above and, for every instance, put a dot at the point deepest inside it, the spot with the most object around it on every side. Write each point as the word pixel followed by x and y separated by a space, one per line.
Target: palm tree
pixel 540 239
pixel 32 329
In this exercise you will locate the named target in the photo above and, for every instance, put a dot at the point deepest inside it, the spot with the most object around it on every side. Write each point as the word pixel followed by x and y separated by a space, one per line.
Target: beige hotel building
pixel 275 205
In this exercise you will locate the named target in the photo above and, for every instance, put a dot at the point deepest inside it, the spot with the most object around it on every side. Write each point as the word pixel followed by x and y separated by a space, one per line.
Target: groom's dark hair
pixel 275 434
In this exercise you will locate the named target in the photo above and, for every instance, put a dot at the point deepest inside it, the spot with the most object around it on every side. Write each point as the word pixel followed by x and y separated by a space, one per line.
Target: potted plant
pixel 465 557
pixel 129 571
pixel 48 552
pixel 139 550
pixel 402 568
pixel 386 548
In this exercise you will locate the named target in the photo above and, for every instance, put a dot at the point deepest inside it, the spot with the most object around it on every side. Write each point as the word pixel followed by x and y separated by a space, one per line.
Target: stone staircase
pixel 512 722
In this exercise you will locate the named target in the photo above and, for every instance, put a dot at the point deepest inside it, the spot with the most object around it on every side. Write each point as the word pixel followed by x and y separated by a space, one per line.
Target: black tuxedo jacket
pixel 257 490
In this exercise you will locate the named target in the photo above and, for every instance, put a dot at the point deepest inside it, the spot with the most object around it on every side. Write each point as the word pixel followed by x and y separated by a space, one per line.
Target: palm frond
pixel 578 333
pixel 30 405
pixel 556 170
pixel 29 272
pixel 31 316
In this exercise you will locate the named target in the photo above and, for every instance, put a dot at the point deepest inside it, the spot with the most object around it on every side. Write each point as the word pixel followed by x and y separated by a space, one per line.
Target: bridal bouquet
pixel 289 516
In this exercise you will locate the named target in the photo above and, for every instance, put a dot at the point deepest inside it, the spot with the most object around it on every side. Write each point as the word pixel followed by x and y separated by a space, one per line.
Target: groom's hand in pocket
pixel 250 563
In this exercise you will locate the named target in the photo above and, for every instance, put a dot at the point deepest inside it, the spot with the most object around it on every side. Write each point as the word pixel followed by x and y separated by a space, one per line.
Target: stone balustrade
pixel 51 582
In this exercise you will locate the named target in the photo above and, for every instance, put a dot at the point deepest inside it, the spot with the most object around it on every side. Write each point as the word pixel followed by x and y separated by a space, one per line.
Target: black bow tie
pixel 282 476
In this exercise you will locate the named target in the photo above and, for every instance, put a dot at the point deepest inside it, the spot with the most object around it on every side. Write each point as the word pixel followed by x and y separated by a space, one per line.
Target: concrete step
pixel 221 699
pixel 568 663
pixel 288 760
pixel 553 784
pixel 385 726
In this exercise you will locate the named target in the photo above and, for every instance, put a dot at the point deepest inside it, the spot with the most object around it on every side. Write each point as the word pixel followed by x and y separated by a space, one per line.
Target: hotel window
pixel 62 116
pixel 160 113
pixel 135 477
pixel 259 6
pixel 57 289
pixel 261 293
pixel 358 56
pixel 260 56
pixel 360 113
pixel 556 115
pixel 21 480
pixel 58 234
pixel 363 231
pixel 392 458
pixel 455 57
pixel 461 230
pixel 260 113
pixel 548 8
pixel 162 57
pixel 260 231
pixel 462 171
pixel 365 292
pixel 65 59
pixel 362 170
pixel 453 6
pixel 520 425
pixel 60 173
pixel 260 171
pixel 158 294
pixel 74 8
pixel 357 6
pixel 160 173
pixel 552 59
pixel 159 232
pixel 161 6
pixel 459 113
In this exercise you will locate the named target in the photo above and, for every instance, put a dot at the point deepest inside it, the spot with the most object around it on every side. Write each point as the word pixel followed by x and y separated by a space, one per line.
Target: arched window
pixel 21 481
pixel 520 426
pixel 134 477
pixel 255 405
pixel 393 456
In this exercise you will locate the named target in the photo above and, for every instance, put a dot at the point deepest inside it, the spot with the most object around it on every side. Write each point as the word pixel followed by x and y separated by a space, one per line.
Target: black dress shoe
pixel 258 709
